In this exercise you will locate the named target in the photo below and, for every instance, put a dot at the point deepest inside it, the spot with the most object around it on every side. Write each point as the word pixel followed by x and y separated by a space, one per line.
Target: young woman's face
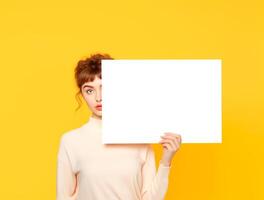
pixel 92 93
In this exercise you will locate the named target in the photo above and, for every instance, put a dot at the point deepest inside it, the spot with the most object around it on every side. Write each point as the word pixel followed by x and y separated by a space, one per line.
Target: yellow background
pixel 41 41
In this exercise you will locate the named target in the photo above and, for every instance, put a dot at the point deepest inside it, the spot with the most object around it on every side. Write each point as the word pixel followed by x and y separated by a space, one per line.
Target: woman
pixel 90 170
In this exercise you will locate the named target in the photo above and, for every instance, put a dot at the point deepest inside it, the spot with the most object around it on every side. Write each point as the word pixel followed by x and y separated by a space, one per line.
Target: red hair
pixel 86 71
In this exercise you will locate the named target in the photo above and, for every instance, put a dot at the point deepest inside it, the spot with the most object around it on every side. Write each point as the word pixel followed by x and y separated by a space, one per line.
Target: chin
pixel 98 113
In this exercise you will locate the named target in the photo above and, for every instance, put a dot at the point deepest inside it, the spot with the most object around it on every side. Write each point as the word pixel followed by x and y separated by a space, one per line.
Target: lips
pixel 98 107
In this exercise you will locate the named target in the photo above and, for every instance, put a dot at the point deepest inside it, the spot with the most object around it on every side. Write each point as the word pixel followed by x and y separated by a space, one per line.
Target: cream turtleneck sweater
pixel 87 169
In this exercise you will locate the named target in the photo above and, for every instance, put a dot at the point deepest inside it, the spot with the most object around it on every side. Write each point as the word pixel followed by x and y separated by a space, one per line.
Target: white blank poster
pixel 142 99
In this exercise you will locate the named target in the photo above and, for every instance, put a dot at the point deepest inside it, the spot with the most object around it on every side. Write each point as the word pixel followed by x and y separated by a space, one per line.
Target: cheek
pixel 89 101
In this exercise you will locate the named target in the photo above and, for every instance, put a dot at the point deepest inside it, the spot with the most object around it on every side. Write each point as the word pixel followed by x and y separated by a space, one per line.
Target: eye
pixel 88 91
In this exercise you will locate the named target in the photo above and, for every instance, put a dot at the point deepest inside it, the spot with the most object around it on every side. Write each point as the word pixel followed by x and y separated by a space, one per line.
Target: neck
pixel 97 121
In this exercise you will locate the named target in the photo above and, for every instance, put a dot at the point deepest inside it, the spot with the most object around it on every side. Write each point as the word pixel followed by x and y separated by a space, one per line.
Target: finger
pixel 173 148
pixel 170 141
pixel 180 140
pixel 178 136
pixel 173 134
pixel 175 140
pixel 164 141
pixel 170 138
pixel 167 146
pixel 176 145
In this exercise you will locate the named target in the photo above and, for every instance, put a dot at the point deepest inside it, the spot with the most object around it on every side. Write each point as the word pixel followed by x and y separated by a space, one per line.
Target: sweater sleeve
pixel 155 185
pixel 66 184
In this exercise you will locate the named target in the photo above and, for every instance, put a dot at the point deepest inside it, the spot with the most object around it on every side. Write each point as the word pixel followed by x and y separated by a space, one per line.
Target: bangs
pixel 88 77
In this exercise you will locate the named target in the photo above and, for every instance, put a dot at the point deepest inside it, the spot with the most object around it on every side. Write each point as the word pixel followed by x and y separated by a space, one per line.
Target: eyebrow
pixel 89 86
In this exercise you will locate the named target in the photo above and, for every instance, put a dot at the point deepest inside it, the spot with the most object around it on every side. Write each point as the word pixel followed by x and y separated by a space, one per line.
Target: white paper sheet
pixel 142 99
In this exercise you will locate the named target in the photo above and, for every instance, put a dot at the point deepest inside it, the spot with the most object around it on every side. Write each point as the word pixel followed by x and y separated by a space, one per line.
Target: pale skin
pixel 92 94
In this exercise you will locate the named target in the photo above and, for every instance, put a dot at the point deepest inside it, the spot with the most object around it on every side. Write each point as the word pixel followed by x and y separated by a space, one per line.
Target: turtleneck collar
pixel 95 121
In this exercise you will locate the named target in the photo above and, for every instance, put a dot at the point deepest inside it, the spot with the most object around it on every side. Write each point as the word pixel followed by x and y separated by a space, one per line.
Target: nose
pixel 99 97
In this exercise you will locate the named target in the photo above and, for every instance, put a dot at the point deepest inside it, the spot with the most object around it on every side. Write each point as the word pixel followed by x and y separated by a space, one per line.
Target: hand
pixel 171 143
